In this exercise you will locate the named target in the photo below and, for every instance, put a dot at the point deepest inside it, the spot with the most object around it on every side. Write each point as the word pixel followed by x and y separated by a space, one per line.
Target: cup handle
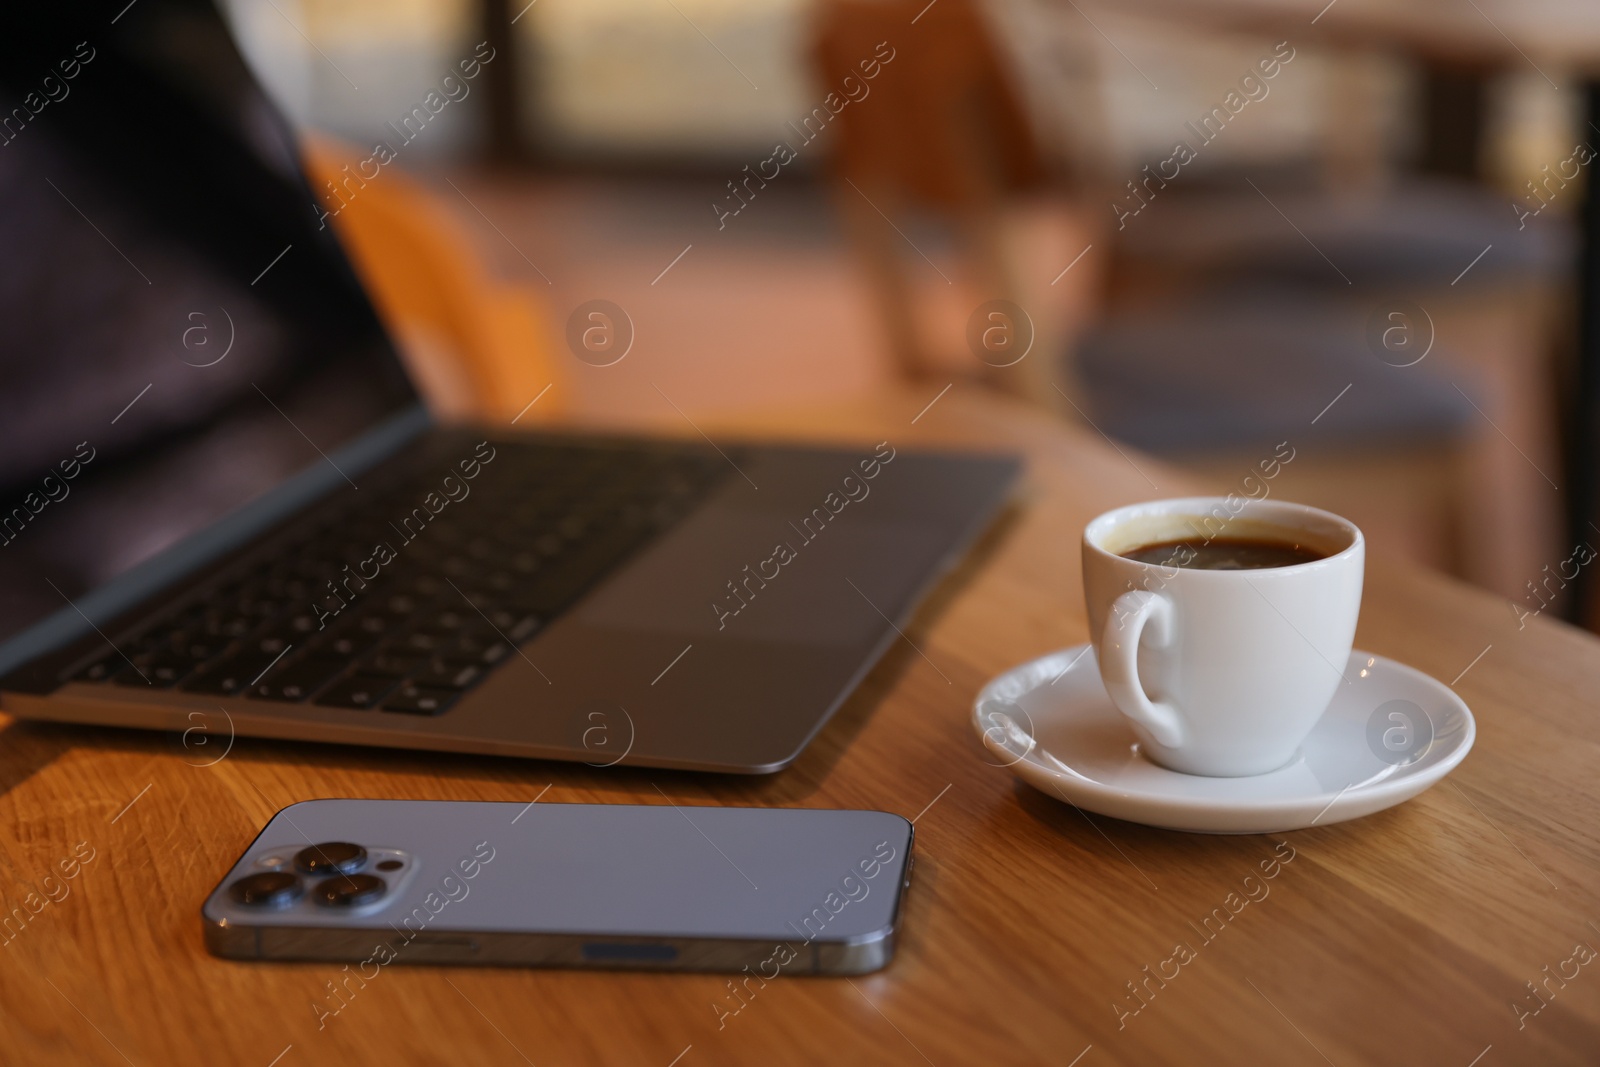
pixel 1125 626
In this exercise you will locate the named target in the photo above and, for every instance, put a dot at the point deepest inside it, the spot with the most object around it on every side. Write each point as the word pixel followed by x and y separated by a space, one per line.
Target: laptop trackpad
pixel 755 576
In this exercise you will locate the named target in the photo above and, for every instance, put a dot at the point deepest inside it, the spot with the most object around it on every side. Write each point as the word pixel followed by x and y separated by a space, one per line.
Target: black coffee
pixel 1225 554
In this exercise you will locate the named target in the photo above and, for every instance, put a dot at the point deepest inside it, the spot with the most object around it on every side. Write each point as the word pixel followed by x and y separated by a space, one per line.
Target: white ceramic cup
pixel 1222 672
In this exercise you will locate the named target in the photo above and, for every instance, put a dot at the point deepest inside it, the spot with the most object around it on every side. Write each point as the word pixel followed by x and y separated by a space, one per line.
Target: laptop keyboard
pixel 305 619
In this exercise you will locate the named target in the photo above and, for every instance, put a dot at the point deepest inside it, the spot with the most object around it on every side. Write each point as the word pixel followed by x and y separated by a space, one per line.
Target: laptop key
pixel 347 644
pixel 470 647
pixel 299 680
pixel 427 585
pixel 447 675
pixel 371 625
pixel 225 625
pixel 302 624
pixel 421 642
pixel 504 617
pixel 271 644
pixel 399 605
pixel 102 670
pixel 357 691
pixel 395 662
pixel 162 670
pixel 446 621
pixel 198 649
pixel 420 700
pixel 230 675
pixel 516 624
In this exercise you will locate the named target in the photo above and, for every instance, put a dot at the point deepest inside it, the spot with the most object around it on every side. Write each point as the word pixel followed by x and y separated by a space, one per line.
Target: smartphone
pixel 655 887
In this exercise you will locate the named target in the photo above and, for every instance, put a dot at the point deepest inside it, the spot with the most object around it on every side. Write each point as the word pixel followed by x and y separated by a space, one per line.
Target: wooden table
pixel 1404 937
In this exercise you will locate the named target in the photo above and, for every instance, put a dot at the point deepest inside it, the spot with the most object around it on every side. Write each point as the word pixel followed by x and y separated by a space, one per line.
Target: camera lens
pixel 331 857
pixel 350 890
pixel 269 889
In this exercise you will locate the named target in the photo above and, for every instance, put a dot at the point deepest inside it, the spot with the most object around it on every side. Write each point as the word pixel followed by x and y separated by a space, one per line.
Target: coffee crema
pixel 1225 553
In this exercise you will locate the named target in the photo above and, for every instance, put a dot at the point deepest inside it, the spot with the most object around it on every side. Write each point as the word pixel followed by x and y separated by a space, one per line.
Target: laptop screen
pixel 178 333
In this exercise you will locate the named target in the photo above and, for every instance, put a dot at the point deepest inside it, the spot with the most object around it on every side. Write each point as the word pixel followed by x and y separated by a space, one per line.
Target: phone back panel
pixel 605 871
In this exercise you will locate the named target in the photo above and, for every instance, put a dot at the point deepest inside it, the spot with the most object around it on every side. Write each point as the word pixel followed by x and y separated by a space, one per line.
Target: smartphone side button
pixel 624 952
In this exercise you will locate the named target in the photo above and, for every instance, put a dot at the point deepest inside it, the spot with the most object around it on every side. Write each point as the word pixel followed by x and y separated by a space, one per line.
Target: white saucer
pixel 1051 723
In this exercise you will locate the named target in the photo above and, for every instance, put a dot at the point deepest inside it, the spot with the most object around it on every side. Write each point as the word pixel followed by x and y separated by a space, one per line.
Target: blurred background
pixel 1324 252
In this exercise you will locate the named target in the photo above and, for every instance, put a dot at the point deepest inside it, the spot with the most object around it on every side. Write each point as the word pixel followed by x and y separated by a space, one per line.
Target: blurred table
pixel 1404 937
pixel 1565 33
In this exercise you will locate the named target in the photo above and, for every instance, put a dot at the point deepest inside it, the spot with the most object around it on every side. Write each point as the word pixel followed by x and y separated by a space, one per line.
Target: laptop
pixel 223 506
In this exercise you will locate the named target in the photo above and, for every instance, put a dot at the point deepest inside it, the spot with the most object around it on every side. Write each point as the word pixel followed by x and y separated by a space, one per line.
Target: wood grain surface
pixel 1408 937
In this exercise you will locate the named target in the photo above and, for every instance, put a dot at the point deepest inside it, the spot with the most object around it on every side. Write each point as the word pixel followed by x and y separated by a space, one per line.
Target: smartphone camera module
pixel 350 890
pixel 268 889
pixel 331 857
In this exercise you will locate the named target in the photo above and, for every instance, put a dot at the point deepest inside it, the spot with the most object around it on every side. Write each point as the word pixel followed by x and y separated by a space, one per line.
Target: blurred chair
pixel 1181 362
pixel 1410 235
pixel 1433 477
pixel 476 346
pixel 1246 377
pixel 1333 259
pixel 941 133
pixel 1246 369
